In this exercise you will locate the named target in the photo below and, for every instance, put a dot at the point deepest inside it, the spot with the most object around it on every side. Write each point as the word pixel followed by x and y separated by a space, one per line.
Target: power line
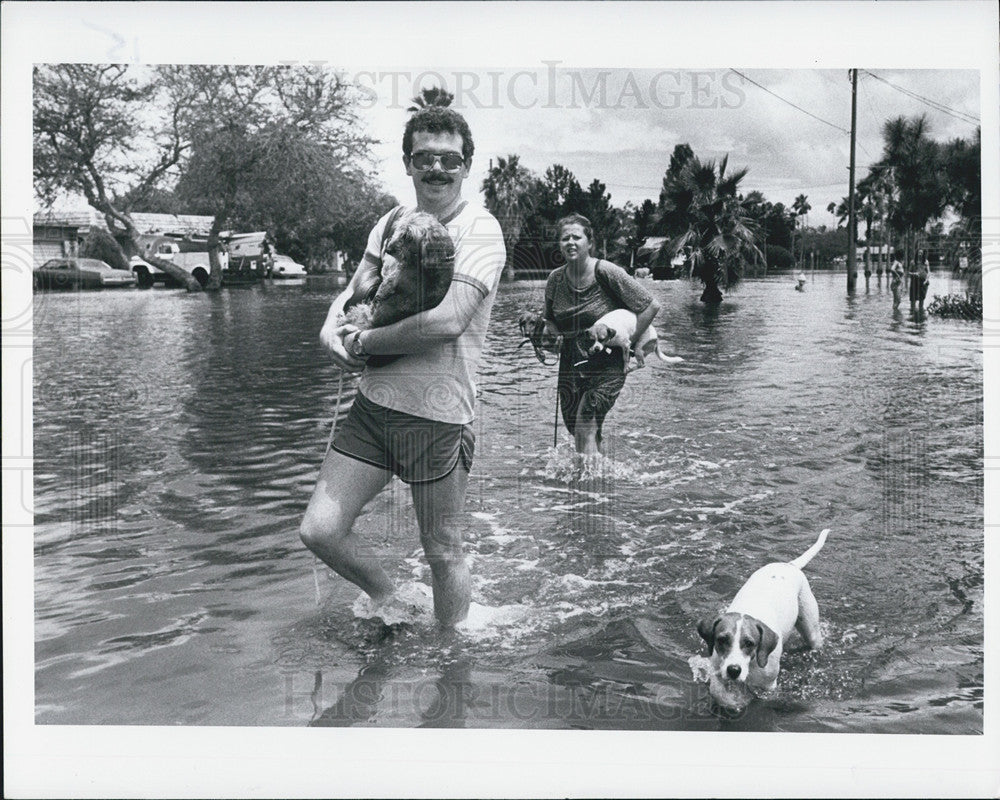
pixel 789 102
pixel 959 115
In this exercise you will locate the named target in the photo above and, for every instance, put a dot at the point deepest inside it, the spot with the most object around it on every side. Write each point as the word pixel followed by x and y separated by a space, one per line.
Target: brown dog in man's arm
pixel 416 273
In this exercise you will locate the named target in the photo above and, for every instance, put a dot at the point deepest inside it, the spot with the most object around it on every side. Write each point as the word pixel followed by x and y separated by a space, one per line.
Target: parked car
pixel 80 273
pixel 287 267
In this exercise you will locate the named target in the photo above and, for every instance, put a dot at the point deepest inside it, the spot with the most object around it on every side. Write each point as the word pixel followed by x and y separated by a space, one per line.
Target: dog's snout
pixel 733 671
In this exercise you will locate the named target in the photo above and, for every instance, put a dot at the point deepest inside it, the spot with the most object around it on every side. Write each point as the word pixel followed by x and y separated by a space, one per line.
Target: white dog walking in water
pixel 616 329
pixel 745 643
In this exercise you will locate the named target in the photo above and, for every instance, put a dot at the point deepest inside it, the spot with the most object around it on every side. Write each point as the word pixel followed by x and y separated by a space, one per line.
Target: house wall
pixel 54 241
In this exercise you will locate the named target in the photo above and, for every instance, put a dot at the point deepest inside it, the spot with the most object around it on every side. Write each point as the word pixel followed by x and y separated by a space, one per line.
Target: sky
pixel 621 125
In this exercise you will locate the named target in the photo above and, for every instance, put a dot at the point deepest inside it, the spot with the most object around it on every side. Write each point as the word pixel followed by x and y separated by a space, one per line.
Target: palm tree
pixel 431 96
pixel 757 208
pixel 912 160
pixel 800 208
pixel 706 218
pixel 509 192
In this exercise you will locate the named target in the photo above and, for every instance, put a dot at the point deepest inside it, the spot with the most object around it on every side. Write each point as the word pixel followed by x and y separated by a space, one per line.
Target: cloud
pixel 620 126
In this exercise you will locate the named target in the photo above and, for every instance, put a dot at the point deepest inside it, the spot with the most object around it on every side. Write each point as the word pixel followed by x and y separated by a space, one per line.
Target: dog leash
pixel 555 424
pixel 538 352
pixel 336 412
pixel 329 444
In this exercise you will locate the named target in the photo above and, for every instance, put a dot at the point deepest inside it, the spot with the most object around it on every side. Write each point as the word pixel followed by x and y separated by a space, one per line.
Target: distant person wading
pixel 920 281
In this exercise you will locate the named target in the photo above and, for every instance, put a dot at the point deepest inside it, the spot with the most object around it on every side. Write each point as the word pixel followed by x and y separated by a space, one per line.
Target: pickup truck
pixel 196 263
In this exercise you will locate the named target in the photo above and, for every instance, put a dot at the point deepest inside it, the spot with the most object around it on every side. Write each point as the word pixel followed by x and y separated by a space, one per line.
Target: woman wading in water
pixel 576 296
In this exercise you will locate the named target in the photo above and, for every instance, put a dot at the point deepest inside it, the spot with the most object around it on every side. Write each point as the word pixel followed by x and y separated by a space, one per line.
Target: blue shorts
pixel 418 450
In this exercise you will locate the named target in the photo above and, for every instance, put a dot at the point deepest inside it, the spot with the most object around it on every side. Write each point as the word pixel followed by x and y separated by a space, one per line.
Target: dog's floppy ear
pixel 768 641
pixel 706 630
pixel 609 334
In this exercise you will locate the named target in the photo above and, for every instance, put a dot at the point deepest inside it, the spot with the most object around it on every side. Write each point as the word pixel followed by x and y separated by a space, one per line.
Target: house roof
pixel 652 244
pixel 145 223
pixel 175 223
pixel 67 219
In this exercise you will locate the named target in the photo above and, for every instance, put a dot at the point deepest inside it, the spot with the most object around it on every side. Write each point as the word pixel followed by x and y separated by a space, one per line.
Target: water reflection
pixel 386 692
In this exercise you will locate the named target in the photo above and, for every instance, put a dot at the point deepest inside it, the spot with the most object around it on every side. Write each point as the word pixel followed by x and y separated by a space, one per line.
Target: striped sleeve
pixel 373 250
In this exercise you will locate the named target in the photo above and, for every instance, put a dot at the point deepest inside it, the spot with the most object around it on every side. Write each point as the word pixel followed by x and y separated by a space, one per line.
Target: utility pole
pixel 852 221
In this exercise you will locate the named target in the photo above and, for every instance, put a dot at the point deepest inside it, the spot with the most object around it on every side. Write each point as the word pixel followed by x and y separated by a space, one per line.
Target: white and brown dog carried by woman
pixel 745 643
pixel 616 329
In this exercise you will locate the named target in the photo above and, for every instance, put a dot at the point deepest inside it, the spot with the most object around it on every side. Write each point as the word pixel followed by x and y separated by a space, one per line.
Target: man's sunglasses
pixel 450 162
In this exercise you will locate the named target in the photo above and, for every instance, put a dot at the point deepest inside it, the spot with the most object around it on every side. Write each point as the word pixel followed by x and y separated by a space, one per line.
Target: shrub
pixel 962 306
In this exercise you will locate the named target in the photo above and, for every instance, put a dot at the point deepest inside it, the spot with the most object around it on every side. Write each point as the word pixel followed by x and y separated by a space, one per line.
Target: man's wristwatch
pixel 355 348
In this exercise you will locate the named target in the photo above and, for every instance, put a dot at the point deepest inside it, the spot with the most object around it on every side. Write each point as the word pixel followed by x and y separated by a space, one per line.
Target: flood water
pixel 177 438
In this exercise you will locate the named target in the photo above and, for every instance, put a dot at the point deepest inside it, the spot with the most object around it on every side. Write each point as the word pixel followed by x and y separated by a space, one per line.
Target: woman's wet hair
pixel 583 222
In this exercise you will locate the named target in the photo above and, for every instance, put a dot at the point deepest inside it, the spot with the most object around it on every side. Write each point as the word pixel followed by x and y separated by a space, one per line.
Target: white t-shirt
pixel 439 382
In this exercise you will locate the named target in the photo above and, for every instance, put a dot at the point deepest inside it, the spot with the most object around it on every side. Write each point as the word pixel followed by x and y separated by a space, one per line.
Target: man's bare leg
pixel 439 506
pixel 345 485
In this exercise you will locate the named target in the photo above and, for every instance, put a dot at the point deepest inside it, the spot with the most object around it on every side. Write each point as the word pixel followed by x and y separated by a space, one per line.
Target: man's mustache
pixel 436 179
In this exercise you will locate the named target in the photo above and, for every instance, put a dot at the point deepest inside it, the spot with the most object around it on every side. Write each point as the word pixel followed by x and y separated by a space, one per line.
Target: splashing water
pixel 729 695
pixel 412 603
pixel 700 668
pixel 564 464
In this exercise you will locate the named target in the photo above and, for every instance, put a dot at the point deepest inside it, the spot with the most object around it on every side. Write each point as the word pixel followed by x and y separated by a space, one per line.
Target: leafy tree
pixel 598 209
pixel 778 225
pixel 710 222
pixel 638 224
pixel 263 146
pixel 625 242
pixel 774 225
pixel 560 194
pixel 645 220
pixel 510 192
pixel 285 157
pixel 671 224
pixel 93 134
pixel 778 257
pixel 101 245
pixel 963 172
pixel 431 96
pixel 825 244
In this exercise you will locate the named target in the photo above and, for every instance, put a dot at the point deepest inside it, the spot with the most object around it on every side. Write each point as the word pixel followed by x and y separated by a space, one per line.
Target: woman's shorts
pixel 418 450
pixel 918 288
pixel 591 389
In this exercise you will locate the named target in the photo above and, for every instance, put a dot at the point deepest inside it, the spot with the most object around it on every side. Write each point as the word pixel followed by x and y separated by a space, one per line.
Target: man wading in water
pixel 412 417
